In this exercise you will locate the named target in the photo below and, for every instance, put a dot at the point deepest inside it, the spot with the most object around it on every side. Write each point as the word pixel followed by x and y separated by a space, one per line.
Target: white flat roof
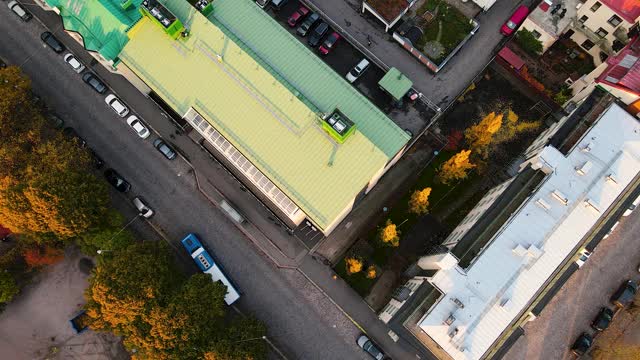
pixel 537 238
pixel 553 24
pixel 484 4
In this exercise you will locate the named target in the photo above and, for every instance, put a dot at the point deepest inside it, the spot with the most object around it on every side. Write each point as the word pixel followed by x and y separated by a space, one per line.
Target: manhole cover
pixel 85 265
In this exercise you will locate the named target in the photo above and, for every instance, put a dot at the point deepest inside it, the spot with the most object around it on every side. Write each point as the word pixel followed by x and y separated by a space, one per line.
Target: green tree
pixel 108 235
pixel 8 287
pixel 243 341
pixel 528 42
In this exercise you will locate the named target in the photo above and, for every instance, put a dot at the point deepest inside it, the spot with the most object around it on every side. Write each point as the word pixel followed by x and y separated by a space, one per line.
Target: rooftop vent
pixel 338 126
pixel 534 251
pixel 162 16
pixel 560 197
pixel 519 250
pixel 587 148
pixel 448 321
pixel 584 169
pixel 543 204
pixel 611 178
pixel 591 204
pixel 453 332
pixel 458 303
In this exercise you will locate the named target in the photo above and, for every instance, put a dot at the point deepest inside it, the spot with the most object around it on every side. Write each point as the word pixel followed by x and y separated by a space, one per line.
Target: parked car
pixel 613 228
pixel 116 105
pixel 307 24
pixel 603 319
pixel 632 207
pixel 318 33
pixel 329 43
pixel 96 84
pixel 72 134
pixel 582 344
pixel 76 65
pixel 357 70
pixel 625 294
pixel 297 16
pixel 583 257
pixel 263 3
pixel 117 181
pixel 57 122
pixel 52 42
pixel 98 163
pixel 138 127
pixel 164 149
pixel 278 4
pixel 515 20
pixel 143 209
pixel 370 348
pixel 20 11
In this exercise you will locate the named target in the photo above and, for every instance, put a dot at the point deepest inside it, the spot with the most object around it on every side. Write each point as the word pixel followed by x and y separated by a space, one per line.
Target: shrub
pixel 528 42
pixel 42 256
pixel 371 272
pixel 389 234
pixel 354 265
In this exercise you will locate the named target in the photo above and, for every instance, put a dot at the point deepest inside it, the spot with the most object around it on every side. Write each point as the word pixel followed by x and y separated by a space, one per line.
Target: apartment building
pixel 464 300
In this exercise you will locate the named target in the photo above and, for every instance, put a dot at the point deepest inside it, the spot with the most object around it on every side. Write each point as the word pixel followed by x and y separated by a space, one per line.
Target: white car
pixel 357 71
pixel 143 209
pixel 583 257
pixel 632 207
pixel 76 65
pixel 138 127
pixel 116 105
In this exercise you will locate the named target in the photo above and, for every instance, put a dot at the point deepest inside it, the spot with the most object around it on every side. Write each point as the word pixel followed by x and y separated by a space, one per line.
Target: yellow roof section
pixel 261 117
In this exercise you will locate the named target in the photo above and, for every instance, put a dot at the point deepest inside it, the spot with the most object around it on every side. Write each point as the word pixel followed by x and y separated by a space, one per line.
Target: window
pixel 596 6
pixel 584 19
pixel 614 21
pixel 602 32
pixel 587 44
pixel 536 34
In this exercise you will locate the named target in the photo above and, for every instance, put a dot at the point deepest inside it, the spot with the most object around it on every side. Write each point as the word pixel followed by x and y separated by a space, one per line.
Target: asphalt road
pixel 574 307
pixel 301 321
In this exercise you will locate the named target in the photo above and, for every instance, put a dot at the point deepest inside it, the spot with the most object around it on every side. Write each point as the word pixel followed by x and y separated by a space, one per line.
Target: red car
pixel 297 15
pixel 515 20
pixel 329 43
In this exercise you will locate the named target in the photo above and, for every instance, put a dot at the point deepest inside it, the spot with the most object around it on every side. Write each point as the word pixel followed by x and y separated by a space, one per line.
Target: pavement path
pixel 443 87
pixel 573 308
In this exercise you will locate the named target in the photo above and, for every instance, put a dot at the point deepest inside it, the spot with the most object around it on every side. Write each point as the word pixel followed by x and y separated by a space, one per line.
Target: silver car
pixel 143 209
pixel 370 348
pixel 75 64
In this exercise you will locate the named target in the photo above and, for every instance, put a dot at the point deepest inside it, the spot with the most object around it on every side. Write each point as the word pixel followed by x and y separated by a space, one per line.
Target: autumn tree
pixel 37 256
pixel 371 272
pixel 389 234
pixel 353 265
pixel 139 294
pixel 419 201
pixel 513 127
pixel 480 135
pixel 456 168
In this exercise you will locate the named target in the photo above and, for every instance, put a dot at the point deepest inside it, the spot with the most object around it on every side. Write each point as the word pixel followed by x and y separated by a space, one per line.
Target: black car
pixel 98 163
pixel 582 344
pixel 52 42
pixel 603 319
pixel 117 181
pixel 625 294
pixel 96 84
pixel 71 133
pixel 306 25
pixel 164 149
pixel 318 33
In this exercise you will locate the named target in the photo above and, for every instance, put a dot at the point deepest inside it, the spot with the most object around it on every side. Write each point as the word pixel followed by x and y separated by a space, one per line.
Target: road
pixel 573 308
pixel 443 87
pixel 302 322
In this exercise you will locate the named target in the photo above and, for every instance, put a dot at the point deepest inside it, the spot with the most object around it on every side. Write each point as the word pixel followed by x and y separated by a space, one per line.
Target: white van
pixel 357 71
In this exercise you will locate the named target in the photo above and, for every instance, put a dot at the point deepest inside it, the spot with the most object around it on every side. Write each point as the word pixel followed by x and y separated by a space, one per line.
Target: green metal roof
pixel 291 60
pixel 102 23
pixel 260 115
pixel 395 83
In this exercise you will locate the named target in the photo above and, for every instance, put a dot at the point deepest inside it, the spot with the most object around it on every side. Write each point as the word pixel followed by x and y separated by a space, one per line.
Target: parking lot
pixel 342 58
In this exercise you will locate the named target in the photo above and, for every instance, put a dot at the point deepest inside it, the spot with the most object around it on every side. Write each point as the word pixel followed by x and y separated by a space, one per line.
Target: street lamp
pixel 258 338
pixel 100 252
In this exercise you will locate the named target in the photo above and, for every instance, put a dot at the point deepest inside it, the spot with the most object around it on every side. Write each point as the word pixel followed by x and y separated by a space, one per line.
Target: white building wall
pixel 394 305
pixel 546 38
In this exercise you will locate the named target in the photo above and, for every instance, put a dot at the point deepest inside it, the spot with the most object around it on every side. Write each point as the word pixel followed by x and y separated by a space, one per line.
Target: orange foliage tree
pixel 42 255
pixel 480 135
pixel 456 168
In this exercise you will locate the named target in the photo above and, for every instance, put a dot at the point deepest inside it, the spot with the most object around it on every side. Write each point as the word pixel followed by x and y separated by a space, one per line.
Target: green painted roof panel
pixel 305 71
pixel 395 83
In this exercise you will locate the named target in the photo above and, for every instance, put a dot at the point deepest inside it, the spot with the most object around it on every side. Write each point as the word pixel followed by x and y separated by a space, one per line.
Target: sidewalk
pixel 441 89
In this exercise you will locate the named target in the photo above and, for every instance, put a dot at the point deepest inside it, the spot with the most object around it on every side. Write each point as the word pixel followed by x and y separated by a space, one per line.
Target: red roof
pixel 512 58
pixel 627 9
pixel 624 69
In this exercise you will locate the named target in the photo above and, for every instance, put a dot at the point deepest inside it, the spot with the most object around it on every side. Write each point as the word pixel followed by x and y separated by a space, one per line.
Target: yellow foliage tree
pixel 390 234
pixel 513 127
pixel 371 272
pixel 456 167
pixel 480 135
pixel 419 201
pixel 354 265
